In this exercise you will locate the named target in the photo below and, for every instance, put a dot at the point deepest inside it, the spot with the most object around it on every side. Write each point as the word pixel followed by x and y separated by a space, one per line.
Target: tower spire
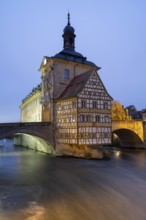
pixel 68 17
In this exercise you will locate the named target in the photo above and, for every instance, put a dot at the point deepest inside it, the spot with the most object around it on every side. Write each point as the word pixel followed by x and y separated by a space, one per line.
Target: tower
pixel 58 71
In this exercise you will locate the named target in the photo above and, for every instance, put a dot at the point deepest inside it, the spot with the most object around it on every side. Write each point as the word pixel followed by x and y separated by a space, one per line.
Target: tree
pixel 118 112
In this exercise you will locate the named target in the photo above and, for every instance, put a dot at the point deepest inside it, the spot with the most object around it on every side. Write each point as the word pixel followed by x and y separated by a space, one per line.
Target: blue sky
pixel 110 33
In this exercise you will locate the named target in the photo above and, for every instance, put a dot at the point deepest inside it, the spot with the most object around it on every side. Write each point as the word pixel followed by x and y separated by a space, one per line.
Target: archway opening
pixel 126 138
pixel 33 142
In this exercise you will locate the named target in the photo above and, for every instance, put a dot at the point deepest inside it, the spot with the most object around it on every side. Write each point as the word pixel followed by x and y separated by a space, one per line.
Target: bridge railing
pixel 24 124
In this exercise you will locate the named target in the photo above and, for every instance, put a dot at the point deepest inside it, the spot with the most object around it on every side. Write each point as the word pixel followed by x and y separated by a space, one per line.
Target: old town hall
pixel 72 97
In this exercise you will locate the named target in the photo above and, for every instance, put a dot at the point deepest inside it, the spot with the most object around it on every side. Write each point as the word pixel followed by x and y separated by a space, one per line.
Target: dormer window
pixel 66 74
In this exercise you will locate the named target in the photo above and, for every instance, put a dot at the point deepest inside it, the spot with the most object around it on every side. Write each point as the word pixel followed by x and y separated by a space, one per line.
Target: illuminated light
pixel 117 153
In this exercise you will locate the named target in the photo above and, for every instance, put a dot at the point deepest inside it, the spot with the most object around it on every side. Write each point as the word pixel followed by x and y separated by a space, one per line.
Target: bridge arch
pixel 33 142
pixel 37 136
pixel 126 137
pixel 130 132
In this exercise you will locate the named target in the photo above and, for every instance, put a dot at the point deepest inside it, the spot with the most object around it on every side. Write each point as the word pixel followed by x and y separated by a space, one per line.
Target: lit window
pixel 66 74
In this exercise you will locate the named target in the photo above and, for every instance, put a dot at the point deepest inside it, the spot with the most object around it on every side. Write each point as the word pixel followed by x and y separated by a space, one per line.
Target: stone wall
pixel 76 151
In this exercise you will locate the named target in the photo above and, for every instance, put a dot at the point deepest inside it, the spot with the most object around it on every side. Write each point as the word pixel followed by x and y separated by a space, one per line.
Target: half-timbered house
pixel 83 111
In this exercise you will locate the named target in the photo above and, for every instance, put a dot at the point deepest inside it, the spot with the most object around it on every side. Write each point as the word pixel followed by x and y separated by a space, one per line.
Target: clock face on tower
pixel 44 61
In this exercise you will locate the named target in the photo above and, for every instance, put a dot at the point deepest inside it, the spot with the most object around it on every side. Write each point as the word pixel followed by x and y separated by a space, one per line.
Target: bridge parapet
pixel 40 129
pixel 24 124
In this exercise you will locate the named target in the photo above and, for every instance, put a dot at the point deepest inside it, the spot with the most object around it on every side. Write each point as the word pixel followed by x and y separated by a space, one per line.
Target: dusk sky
pixel 110 33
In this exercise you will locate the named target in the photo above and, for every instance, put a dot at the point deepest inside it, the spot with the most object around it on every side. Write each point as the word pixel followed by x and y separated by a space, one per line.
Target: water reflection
pixel 36 186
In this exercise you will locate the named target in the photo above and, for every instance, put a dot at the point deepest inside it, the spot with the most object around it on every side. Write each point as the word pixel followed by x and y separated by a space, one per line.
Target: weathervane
pixel 68 16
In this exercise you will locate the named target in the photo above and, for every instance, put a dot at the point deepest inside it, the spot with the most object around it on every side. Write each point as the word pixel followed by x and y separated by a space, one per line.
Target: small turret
pixel 69 36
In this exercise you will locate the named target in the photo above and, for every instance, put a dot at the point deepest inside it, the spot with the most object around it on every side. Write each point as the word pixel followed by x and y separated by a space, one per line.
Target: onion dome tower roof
pixel 69 29
pixel 69 53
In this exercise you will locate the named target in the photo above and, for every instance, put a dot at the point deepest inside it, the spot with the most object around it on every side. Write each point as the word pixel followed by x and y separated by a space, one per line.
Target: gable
pixel 94 88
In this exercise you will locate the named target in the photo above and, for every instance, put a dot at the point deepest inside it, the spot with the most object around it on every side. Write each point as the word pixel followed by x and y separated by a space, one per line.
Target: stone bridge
pixel 36 134
pixel 130 132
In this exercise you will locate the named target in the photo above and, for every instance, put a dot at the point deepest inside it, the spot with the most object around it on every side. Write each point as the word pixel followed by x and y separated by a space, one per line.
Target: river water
pixel 36 186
